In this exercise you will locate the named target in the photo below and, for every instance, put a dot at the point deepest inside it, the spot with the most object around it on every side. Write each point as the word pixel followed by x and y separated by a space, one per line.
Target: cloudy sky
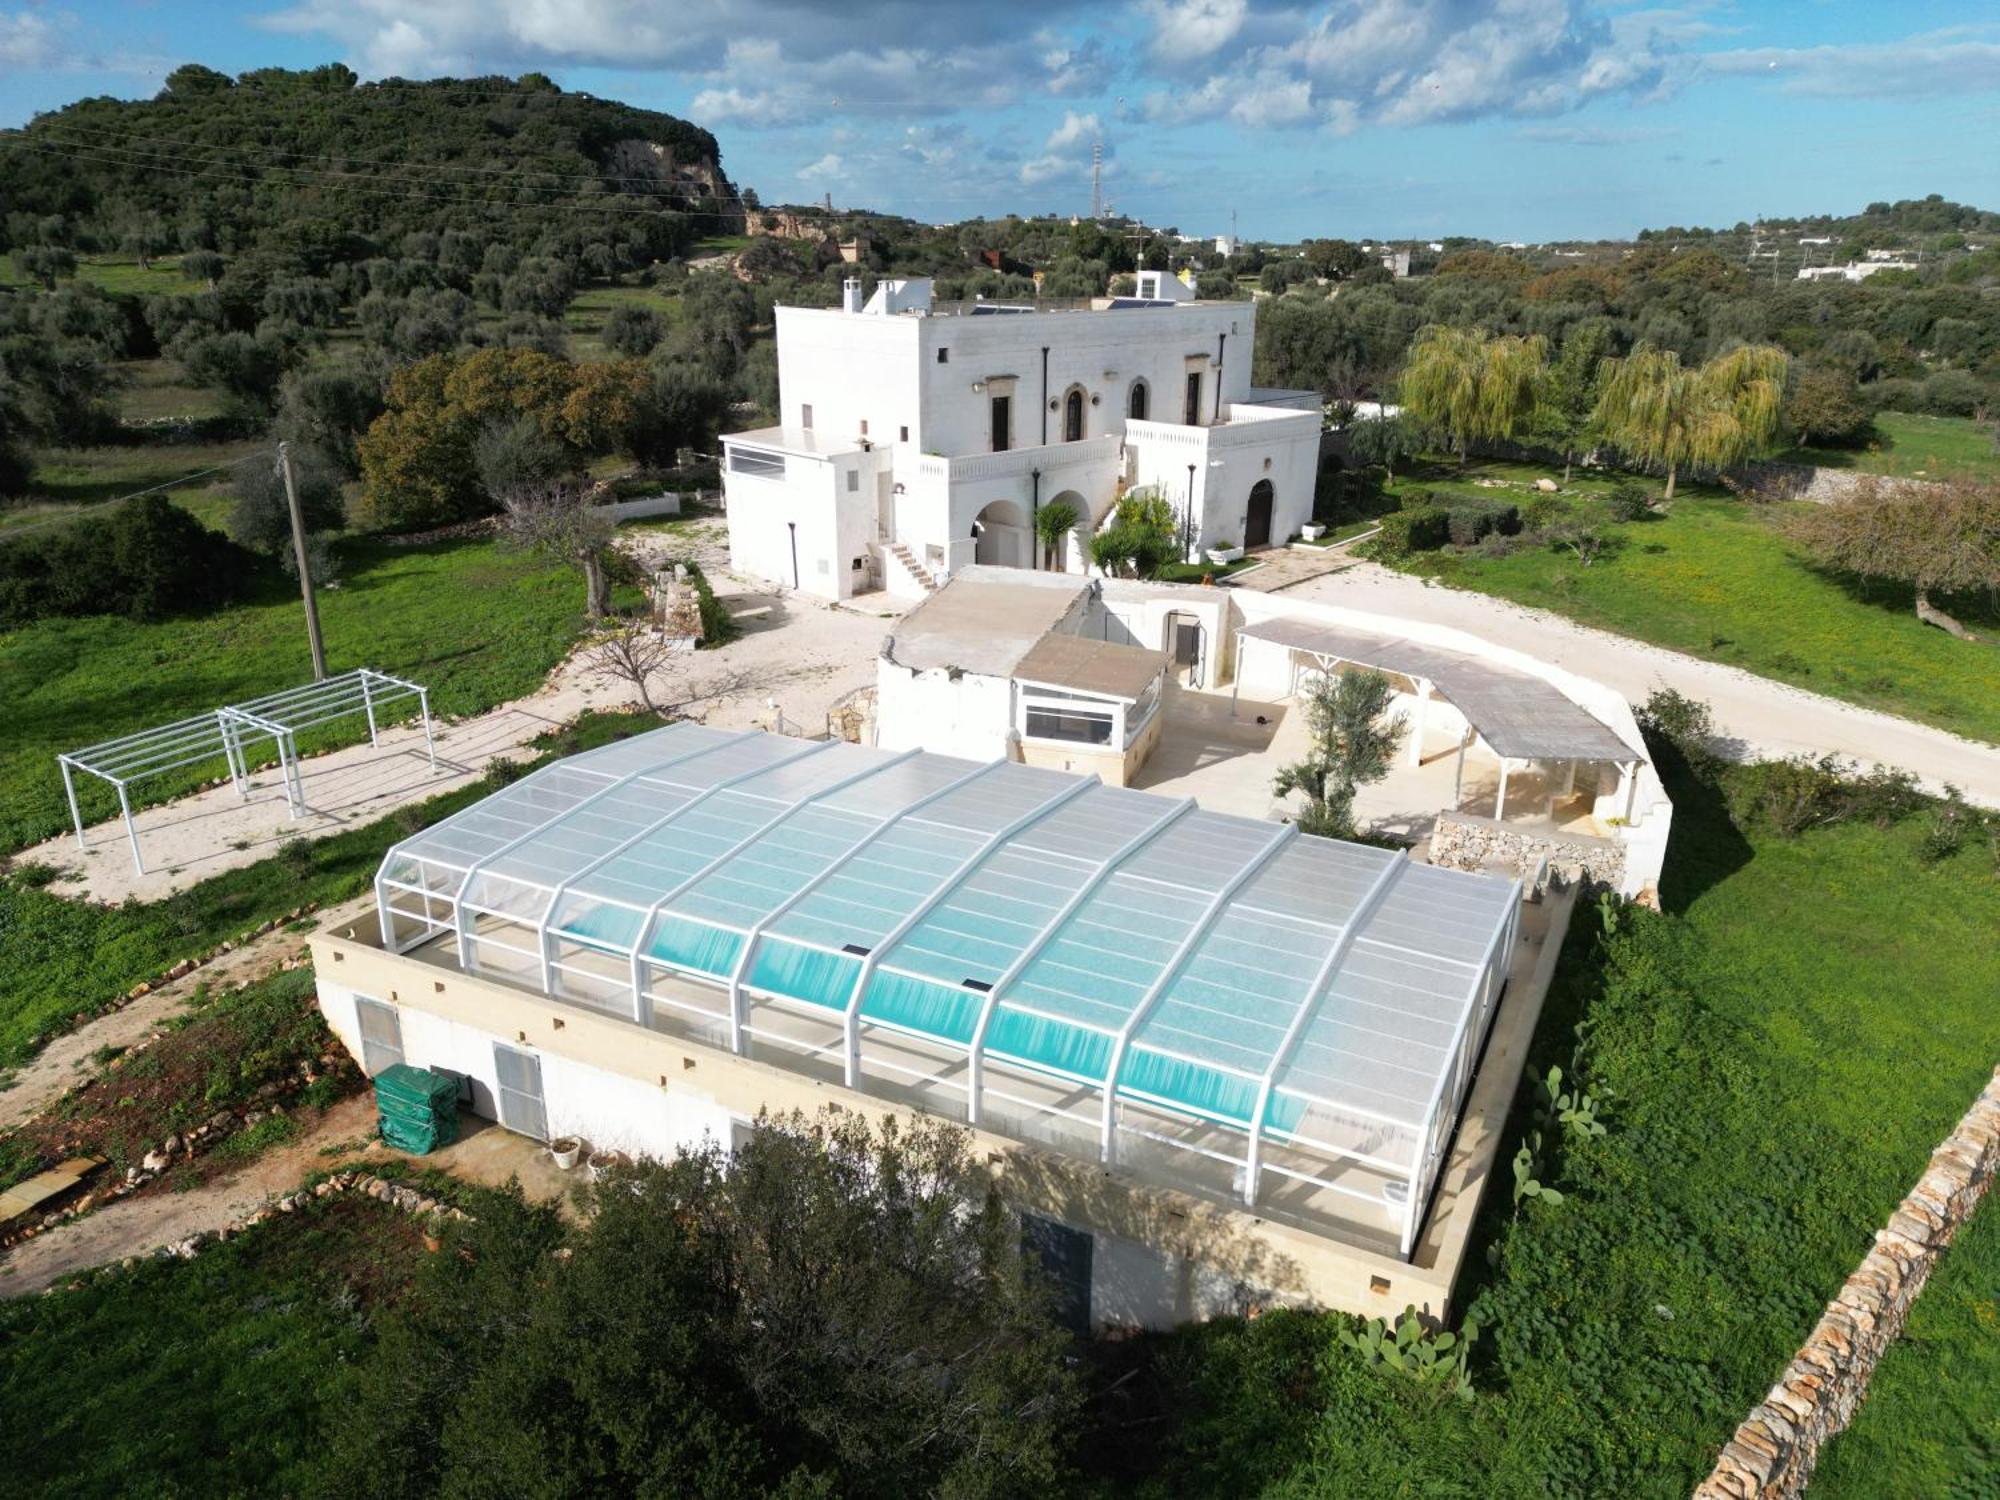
pixel 1524 119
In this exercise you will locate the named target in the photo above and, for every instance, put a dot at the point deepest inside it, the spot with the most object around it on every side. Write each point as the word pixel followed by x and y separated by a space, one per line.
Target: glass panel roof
pixel 1066 910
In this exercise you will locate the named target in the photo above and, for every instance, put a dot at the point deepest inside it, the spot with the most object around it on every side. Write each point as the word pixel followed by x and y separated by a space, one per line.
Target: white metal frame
pixel 281 715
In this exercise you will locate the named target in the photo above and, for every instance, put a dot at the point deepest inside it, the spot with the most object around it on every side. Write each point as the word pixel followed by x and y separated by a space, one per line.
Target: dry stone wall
pixel 1463 842
pixel 1772 1454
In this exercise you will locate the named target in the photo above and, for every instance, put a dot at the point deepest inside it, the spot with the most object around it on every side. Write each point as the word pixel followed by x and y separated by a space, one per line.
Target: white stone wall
pixel 832 502
pixel 965 714
pixel 849 369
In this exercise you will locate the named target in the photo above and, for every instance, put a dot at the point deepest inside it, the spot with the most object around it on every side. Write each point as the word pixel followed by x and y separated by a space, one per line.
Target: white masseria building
pixel 916 439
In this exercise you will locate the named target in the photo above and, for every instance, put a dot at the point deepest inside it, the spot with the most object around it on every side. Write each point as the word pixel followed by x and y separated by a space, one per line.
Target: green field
pixel 1714 578
pixel 162 278
pixel 473 622
pixel 69 480
pixel 1915 447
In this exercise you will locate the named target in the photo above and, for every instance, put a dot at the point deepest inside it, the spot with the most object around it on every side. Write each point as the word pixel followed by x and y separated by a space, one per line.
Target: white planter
pixel 565 1149
pixel 1223 556
pixel 1312 533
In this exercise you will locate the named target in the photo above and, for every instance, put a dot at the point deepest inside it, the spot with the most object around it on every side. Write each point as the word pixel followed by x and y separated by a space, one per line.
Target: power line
pixel 99 505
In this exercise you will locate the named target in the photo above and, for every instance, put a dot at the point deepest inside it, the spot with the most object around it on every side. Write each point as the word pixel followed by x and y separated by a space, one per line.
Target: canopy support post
pixel 1417 729
pixel 1236 675
pixel 69 786
pixel 1500 797
pixel 430 743
pixel 131 833
pixel 368 707
pixel 1458 779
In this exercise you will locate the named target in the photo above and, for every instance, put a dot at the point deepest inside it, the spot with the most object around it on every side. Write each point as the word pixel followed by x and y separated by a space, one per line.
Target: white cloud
pixel 1187 30
pixel 828 168
pixel 1403 62
pixel 26 40
pixel 1066 152
pixel 1961 60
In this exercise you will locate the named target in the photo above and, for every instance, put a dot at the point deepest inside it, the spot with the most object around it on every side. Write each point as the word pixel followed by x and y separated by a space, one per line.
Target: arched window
pixel 1135 404
pixel 1073 415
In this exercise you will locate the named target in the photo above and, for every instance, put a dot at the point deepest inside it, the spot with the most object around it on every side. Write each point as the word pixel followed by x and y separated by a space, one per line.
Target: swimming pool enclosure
pixel 1216 1001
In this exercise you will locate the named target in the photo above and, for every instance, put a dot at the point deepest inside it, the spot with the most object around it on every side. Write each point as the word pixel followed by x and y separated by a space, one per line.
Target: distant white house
pixel 1854 270
pixel 916 439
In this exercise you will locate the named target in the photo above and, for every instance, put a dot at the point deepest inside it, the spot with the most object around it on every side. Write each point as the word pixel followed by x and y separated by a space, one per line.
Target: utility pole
pixel 305 568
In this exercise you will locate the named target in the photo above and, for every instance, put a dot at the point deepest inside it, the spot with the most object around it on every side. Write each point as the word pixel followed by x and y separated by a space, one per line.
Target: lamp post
pixel 1187 527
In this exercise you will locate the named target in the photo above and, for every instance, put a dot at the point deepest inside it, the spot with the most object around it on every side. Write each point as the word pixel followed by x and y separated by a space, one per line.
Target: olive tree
pixel 556 518
pixel 1352 738
pixel 1932 539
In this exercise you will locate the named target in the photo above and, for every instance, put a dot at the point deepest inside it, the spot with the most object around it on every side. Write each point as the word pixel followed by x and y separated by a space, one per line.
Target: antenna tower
pixel 1097 179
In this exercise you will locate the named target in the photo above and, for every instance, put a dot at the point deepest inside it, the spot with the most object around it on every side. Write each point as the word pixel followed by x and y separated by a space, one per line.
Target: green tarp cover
pixel 417 1108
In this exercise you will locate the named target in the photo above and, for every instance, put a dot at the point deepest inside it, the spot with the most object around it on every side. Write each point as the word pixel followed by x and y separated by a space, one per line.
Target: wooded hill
pixel 316 168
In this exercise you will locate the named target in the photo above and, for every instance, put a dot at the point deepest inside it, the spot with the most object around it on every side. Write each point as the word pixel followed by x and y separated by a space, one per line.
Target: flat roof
pixel 1520 715
pixel 1311 993
pixel 1104 669
pixel 985 621
pixel 793 440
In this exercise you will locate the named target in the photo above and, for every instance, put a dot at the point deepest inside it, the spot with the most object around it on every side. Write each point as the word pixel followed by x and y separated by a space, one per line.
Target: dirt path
pixel 66 1060
pixel 142 1224
pixel 1761 718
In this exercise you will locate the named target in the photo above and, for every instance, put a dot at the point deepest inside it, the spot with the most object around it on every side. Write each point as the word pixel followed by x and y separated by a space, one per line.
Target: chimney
pixel 850 294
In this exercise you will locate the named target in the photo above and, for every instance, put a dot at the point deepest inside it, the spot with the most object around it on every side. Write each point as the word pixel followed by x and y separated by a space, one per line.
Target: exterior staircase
pixel 901 552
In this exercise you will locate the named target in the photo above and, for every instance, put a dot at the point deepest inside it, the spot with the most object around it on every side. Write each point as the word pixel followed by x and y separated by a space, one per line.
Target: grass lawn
pixel 69 480
pixel 62 960
pixel 476 624
pixel 1913 446
pixel 585 316
pixel 1785 1047
pixel 162 278
pixel 1716 579
pixel 206 1377
pixel 159 388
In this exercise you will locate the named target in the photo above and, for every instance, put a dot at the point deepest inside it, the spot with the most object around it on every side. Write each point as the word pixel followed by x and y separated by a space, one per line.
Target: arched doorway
pixel 1072 553
pixel 1257 523
pixel 1135 402
pixel 1072 416
pixel 1000 535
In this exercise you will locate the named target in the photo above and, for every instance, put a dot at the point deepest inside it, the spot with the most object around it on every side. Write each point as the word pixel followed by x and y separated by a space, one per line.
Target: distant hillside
pixel 319 167
pixel 1927 223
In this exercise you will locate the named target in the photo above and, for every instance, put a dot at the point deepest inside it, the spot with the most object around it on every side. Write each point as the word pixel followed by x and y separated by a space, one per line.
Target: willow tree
pixel 1656 410
pixel 1472 385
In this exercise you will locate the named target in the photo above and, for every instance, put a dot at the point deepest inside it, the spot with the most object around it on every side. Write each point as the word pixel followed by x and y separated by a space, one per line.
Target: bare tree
pixel 633 655
pixel 1942 538
pixel 556 517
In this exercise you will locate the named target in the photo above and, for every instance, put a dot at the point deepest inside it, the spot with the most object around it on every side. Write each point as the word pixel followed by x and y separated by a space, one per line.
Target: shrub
pixel 1629 500
pixel 1422 529
pixel 261 518
pixel 633 331
pixel 1685 723
pixel 1466 525
pixel 1544 512
pixel 148 559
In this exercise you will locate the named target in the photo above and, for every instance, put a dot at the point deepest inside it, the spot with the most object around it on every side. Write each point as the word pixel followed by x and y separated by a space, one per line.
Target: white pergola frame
pixel 449 908
pixel 280 716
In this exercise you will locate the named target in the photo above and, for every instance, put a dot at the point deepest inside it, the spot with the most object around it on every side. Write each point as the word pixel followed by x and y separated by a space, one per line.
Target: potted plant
pixel 565 1149
pixel 1223 553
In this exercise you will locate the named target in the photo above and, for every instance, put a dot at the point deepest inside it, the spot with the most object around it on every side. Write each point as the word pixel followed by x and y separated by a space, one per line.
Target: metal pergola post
pixel 69 788
pixel 131 833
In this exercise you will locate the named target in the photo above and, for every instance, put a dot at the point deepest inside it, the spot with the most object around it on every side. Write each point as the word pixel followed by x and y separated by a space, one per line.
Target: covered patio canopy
pixel 1520 716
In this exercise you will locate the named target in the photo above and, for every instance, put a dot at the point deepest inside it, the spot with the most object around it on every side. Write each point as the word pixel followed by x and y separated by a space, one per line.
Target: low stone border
pixel 182 969
pixel 404 1199
pixel 1773 1453
pixel 269 1099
